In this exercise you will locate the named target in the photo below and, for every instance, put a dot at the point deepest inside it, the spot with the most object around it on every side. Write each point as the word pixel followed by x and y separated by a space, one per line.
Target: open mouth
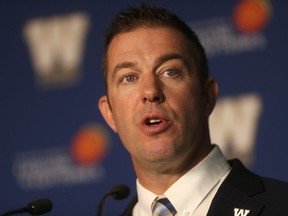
pixel 152 122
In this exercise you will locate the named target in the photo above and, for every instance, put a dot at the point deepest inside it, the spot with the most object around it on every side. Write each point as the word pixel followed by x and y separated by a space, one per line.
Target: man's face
pixel 157 105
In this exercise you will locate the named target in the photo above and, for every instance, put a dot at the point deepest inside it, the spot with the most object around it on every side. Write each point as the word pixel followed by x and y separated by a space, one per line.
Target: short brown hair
pixel 152 16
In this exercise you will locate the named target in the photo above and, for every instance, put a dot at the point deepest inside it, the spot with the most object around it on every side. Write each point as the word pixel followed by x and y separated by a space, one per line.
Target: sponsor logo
pixel 237 34
pixel 90 145
pixel 81 164
pixel 252 16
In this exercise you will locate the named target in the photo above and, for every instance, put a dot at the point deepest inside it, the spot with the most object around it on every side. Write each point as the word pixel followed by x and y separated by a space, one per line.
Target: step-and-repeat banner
pixel 54 142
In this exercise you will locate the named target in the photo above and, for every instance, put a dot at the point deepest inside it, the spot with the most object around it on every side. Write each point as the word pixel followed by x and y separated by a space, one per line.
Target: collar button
pixel 186 213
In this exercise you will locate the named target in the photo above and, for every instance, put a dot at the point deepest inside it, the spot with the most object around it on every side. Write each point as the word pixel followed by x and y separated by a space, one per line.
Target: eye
pixel 170 73
pixel 129 78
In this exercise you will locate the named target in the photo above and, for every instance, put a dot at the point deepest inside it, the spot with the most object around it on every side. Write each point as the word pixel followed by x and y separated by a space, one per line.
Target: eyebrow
pixel 160 60
pixel 167 57
pixel 122 65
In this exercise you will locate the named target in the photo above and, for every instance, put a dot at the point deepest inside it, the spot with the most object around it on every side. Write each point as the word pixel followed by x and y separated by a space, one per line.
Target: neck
pixel 157 177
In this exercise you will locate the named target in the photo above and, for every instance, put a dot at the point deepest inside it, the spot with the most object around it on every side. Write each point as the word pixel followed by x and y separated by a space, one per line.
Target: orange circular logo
pixel 252 15
pixel 89 146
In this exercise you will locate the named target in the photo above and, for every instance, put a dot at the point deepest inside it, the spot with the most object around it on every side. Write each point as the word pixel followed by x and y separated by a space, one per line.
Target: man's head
pixel 151 16
pixel 160 94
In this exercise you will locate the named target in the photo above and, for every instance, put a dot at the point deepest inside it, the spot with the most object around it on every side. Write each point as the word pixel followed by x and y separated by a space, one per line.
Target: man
pixel 159 98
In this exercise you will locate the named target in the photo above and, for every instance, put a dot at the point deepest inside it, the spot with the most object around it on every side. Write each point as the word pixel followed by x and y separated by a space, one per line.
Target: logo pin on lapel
pixel 241 212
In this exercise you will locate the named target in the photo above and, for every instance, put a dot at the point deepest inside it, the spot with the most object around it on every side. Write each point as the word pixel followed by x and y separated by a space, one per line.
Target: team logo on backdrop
pixel 233 125
pixel 239 33
pixel 56 48
pixel 79 164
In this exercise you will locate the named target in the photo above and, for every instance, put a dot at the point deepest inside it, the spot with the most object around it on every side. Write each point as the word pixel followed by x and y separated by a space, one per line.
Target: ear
pixel 106 112
pixel 211 94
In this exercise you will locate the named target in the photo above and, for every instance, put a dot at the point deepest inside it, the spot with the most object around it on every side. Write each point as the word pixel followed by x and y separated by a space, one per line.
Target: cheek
pixel 188 104
pixel 122 111
pixel 184 97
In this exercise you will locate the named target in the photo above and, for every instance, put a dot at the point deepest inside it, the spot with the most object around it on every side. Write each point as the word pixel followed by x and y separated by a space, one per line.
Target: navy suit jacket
pixel 244 193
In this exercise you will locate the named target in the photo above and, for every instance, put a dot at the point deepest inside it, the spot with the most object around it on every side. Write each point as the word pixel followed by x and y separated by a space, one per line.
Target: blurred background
pixel 54 142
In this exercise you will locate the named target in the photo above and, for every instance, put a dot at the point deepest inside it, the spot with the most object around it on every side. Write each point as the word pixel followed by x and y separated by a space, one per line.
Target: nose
pixel 152 90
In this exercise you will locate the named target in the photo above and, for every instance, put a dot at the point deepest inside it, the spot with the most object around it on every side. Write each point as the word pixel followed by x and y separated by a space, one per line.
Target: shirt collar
pixel 145 199
pixel 189 191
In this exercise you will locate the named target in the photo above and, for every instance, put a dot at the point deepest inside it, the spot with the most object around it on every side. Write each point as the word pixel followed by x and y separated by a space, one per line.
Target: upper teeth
pixel 151 121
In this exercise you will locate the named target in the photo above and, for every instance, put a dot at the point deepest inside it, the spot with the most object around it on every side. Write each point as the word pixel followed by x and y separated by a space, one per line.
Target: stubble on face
pixel 182 105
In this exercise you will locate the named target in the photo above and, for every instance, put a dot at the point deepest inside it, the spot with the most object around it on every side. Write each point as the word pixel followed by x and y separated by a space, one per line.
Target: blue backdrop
pixel 54 142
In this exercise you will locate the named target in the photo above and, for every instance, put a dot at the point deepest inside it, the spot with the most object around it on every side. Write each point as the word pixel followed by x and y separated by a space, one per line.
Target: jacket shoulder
pixel 275 196
pixel 249 182
pixel 271 192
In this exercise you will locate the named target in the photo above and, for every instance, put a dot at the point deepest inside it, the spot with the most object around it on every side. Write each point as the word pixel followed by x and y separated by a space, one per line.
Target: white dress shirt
pixel 191 195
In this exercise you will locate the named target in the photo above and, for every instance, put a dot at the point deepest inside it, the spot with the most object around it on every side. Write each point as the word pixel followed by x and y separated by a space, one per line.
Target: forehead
pixel 145 44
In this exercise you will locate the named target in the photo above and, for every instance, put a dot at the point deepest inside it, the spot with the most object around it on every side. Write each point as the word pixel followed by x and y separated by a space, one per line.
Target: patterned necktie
pixel 162 207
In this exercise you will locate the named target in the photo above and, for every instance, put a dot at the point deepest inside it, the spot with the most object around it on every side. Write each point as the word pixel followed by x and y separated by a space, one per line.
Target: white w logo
pixel 234 124
pixel 241 212
pixel 56 44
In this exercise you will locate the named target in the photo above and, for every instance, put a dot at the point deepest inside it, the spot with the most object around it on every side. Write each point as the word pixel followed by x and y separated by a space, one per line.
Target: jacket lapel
pixel 235 195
